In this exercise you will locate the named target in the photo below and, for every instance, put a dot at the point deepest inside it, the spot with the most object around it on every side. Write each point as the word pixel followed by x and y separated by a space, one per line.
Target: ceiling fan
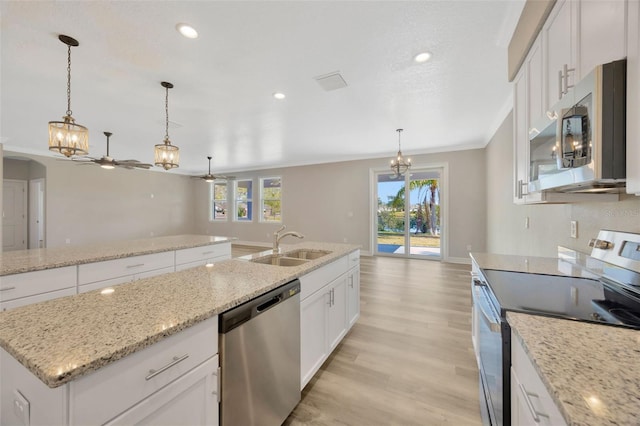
pixel 107 162
pixel 209 177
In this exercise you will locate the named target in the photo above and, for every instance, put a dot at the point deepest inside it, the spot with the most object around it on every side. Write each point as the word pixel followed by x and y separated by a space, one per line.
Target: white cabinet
pixel 92 276
pixel 602 33
pixel 191 400
pixel 353 289
pixel 520 137
pixel 353 296
pixel 633 99
pixel 174 381
pixel 38 286
pixel 531 403
pixel 198 256
pixel 559 38
pixel 330 304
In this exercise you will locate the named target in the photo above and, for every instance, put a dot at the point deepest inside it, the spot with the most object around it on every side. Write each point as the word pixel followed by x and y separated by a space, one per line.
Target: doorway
pixel 409 213
pixel 14 215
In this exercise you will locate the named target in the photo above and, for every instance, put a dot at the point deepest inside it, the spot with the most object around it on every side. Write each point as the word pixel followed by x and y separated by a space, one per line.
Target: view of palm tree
pixel 423 227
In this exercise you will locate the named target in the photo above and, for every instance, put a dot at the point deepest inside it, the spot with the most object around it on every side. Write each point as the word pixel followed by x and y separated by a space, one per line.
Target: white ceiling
pixel 222 103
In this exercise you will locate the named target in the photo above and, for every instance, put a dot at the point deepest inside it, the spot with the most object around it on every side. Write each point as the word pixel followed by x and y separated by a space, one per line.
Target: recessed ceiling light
pixel 187 30
pixel 279 96
pixel 422 57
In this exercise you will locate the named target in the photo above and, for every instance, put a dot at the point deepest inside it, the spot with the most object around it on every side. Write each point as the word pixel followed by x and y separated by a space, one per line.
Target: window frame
pixel 213 201
pixel 248 201
pixel 263 199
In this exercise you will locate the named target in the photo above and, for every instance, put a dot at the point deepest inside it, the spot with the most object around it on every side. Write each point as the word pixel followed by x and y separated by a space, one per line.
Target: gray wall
pixel 549 225
pixel 87 204
pixel 331 202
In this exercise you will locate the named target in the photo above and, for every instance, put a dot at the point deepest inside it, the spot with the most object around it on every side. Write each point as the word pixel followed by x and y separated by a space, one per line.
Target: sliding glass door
pixel 409 214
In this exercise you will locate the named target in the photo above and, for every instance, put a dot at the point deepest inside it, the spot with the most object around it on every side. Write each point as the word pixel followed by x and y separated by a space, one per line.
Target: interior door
pixel 14 215
pixel 36 213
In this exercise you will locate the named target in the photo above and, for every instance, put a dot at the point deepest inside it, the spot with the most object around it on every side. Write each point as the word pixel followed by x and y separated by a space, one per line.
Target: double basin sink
pixel 292 258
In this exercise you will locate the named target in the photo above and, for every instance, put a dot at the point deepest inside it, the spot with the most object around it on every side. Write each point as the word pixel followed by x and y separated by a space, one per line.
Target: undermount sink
pixel 307 254
pixel 276 260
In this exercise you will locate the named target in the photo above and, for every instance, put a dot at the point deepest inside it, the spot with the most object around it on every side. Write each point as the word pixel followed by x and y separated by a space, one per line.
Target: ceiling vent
pixel 331 81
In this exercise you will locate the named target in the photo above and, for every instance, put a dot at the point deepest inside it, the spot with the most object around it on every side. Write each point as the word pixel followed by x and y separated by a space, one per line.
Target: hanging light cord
pixel 166 110
pixel 399 133
pixel 69 80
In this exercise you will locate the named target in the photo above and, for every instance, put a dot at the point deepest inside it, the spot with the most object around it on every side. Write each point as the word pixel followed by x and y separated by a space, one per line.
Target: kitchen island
pixel 64 340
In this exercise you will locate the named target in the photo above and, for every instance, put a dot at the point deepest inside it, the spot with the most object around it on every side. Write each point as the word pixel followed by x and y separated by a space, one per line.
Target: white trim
pixel 234 218
pixel 212 186
pixel 261 200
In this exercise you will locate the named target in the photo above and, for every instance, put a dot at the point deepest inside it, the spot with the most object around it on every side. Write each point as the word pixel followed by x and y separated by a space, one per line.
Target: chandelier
pixel 398 165
pixel 67 137
pixel 167 156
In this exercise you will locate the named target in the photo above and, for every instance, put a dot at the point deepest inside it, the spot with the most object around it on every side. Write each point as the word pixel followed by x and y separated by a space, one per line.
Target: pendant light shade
pixel 399 165
pixel 167 156
pixel 67 137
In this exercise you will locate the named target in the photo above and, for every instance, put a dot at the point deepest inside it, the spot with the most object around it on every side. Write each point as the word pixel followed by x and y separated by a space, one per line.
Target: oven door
pixel 490 353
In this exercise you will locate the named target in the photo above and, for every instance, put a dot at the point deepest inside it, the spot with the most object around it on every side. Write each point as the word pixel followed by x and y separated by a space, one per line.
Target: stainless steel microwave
pixel 581 145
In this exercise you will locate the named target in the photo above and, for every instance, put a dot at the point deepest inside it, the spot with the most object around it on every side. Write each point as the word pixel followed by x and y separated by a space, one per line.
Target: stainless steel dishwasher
pixel 260 359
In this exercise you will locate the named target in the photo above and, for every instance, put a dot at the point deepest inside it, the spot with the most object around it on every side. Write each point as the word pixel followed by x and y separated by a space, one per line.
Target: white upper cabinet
pixel 535 86
pixel 559 37
pixel 520 136
pixel 633 100
pixel 602 33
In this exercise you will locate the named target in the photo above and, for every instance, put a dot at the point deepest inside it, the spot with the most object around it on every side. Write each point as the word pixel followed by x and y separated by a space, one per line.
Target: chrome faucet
pixel 277 236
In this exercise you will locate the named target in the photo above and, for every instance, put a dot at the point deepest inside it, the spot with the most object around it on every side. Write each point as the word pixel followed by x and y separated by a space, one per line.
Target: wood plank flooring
pixel 409 358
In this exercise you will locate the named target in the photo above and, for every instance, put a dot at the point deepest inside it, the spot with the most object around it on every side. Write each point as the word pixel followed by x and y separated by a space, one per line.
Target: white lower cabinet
pixel 174 381
pixel 328 313
pixel 198 256
pixel 531 403
pixel 37 286
pixel 190 401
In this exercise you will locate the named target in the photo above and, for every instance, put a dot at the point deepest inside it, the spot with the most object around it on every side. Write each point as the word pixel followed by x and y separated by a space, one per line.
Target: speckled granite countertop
pixel 590 370
pixel 63 339
pixel 20 261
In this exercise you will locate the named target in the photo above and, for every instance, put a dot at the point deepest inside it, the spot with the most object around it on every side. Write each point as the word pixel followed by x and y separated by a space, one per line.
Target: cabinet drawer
pixel 99 397
pixel 24 301
pixel 315 280
pixel 527 385
pixel 203 253
pixel 32 283
pixel 99 271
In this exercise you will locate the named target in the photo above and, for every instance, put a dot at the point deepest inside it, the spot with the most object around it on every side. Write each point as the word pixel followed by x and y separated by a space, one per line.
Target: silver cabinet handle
pixel 567 70
pixel 137 265
pixel 351 283
pixel 176 360
pixel 533 411
pixel 204 253
pixel 7 288
pixel 560 85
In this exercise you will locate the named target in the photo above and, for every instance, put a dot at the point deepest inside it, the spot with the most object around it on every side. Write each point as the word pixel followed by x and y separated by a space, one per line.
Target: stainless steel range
pixel 607 291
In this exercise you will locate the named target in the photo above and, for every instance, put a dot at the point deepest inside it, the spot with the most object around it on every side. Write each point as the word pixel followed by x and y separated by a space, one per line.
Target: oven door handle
pixel 492 320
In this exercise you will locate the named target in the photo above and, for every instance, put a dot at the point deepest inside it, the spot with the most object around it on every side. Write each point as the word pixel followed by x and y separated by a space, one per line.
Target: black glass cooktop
pixel 585 299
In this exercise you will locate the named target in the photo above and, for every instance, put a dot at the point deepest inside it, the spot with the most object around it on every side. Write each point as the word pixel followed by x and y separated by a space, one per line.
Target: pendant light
pixel 398 165
pixel 167 156
pixel 67 137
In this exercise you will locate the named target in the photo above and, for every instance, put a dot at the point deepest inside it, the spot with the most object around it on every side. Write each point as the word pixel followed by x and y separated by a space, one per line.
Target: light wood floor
pixel 408 360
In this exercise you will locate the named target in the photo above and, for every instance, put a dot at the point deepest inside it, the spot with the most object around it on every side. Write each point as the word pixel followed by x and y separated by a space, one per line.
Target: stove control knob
pixel 600 244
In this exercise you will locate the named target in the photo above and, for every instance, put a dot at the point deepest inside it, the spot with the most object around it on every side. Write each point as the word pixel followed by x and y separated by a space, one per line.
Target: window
pixel 218 201
pixel 271 199
pixel 243 198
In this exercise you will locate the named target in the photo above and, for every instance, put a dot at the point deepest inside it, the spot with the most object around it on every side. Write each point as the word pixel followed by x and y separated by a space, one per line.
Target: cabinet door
pixel 353 296
pixel 559 46
pixel 337 319
pixel 313 334
pixel 633 99
pixel 602 33
pixel 190 400
pixel 535 88
pixel 520 137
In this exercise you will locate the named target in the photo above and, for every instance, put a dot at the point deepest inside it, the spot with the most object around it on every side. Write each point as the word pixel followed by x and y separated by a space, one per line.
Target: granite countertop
pixel 20 261
pixel 590 370
pixel 63 339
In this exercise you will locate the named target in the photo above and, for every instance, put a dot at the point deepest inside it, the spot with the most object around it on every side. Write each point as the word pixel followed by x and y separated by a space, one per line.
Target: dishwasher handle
pixel 269 303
